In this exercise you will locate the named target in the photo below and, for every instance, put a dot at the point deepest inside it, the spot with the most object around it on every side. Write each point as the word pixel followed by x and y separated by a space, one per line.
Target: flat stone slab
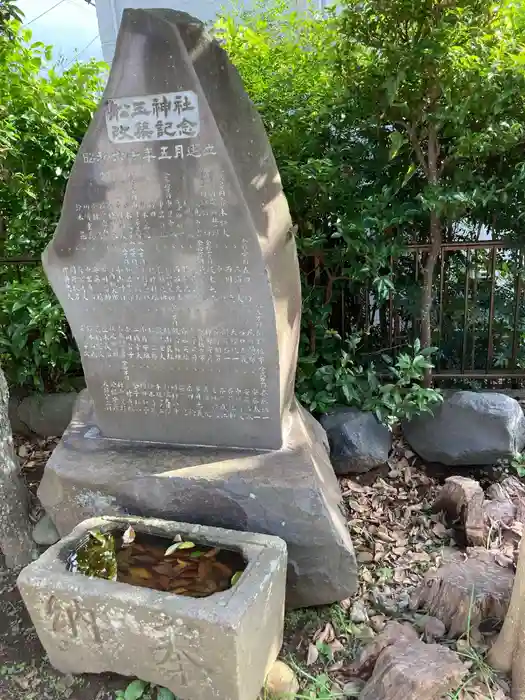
pixel 291 493
pixel 215 648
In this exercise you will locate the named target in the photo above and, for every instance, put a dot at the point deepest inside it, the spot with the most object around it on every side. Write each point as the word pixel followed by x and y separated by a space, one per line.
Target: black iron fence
pixel 478 316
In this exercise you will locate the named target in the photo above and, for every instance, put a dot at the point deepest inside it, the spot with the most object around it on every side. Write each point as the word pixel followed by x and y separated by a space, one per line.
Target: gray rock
pixel 358 442
pixel 358 612
pixel 433 629
pixel 291 493
pixel 468 428
pixel 17 426
pixel 215 648
pixel 45 533
pixel 47 415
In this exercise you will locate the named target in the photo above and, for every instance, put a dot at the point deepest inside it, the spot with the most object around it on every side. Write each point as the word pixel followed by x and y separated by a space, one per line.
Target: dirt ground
pixel 25 672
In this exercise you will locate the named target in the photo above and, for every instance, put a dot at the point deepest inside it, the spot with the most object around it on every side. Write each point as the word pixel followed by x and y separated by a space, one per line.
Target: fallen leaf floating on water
pixel 178 545
pixel 185 568
pixel 236 576
pixel 140 572
pixel 128 537
pixel 171 549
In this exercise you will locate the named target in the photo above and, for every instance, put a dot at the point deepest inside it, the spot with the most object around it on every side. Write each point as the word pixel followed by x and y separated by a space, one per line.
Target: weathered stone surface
pixel 46 415
pixel 15 532
pixel 292 493
pixel 414 671
pixel 433 628
pixel 466 590
pixel 358 442
pixel 215 648
pixel 469 428
pixel 463 499
pixel 358 612
pixel 45 533
pixel 393 633
pixel 174 257
pixel 508 502
pixel 498 512
pixel 17 426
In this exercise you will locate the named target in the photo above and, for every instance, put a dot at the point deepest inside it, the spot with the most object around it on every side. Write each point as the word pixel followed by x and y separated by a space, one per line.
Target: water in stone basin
pixel 181 567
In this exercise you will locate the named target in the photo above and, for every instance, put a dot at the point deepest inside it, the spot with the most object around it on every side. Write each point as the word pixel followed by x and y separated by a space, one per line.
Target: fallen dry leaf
pixel 313 654
pixel 336 646
pixel 325 634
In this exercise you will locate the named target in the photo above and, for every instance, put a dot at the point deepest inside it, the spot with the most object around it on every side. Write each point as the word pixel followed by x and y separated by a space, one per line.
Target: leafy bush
pixel 349 101
pixel 344 381
pixel 43 117
pixel 37 350
pixel 44 114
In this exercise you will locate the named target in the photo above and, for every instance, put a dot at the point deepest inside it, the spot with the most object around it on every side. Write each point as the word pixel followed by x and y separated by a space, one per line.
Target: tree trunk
pixel 433 254
pixel 15 531
pixel 426 295
pixel 508 651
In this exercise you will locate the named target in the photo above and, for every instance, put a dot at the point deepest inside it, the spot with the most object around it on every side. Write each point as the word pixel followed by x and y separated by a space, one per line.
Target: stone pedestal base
pixel 291 493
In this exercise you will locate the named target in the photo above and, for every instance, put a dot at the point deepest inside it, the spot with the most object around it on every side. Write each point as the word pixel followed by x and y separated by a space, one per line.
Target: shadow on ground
pixel 25 672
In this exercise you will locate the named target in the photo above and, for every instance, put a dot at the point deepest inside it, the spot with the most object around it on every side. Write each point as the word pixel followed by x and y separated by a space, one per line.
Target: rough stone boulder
pixel 468 428
pixel 414 671
pixel 47 415
pixel 398 666
pixel 358 442
pixel 393 633
pixel 463 499
pixel 466 591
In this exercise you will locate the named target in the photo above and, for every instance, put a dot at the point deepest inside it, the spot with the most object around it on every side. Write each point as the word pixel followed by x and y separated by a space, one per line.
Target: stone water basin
pixel 218 647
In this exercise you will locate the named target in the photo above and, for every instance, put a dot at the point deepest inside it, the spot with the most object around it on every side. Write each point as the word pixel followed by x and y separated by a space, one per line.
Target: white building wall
pixel 109 13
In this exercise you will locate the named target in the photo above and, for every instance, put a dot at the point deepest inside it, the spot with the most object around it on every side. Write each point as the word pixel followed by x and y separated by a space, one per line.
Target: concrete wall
pixel 109 13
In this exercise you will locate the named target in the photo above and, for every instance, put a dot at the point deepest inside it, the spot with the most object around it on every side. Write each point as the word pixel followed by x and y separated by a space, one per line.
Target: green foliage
pixel 393 123
pixel 140 690
pixel 36 346
pixel 396 396
pixel 518 463
pixel 97 557
pixel 8 12
pixel 451 70
pixel 43 117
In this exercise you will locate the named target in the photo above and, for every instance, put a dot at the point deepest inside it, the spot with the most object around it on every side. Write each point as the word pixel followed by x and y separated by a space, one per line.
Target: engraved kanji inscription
pixel 70 620
pixel 174 115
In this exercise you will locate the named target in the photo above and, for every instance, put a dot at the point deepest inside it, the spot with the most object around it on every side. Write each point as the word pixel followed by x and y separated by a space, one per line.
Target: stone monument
pixel 175 262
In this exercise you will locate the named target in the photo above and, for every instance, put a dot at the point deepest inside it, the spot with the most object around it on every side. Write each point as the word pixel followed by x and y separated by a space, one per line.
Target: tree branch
pixel 416 147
